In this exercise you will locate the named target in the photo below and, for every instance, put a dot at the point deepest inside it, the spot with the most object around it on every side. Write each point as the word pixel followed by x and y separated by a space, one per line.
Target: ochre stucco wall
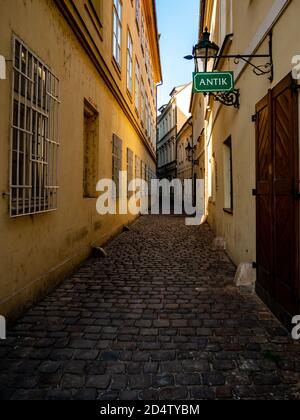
pixel 36 252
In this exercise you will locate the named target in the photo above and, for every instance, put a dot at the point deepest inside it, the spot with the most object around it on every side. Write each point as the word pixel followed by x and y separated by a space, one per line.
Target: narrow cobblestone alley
pixel 159 318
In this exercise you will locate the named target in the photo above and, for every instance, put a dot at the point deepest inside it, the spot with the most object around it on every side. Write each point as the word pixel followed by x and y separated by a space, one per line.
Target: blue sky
pixel 178 25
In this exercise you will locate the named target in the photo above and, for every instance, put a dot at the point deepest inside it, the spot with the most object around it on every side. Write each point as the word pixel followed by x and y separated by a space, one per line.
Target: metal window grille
pixel 129 63
pixel 137 12
pixel 34 134
pixel 137 167
pixel 130 157
pixel 117 162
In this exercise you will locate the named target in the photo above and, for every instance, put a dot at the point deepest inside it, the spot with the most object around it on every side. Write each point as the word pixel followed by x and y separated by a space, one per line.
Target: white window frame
pixel 143 105
pixel 117 32
pixel 137 86
pixel 129 63
pixel 143 32
pixel 138 12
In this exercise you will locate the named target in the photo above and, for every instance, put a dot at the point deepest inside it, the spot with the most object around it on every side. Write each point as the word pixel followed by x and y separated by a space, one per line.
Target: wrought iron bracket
pixel 259 70
pixel 228 98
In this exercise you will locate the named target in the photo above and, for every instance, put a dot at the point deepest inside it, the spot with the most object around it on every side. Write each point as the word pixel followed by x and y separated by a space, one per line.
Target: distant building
pixel 183 141
pixel 170 121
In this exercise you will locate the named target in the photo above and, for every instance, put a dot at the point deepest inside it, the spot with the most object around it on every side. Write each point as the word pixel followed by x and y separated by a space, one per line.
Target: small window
pixel 137 86
pixel 143 33
pixel 116 162
pixel 129 169
pixel 91 151
pixel 228 179
pixel 143 104
pixel 117 31
pixel 34 135
pixel 213 179
pixel 138 12
pixel 143 177
pixel 129 63
pixel 137 167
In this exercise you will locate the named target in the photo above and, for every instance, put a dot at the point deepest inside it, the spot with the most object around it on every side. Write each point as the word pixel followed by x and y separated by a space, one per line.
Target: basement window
pixel 34 140
pixel 228 179
pixel 90 151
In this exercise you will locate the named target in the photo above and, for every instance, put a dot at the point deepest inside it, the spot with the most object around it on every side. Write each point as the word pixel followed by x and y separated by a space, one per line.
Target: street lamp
pixel 189 152
pixel 204 51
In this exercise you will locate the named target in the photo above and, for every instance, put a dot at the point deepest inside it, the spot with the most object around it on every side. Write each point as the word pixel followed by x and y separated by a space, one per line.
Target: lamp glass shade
pixel 189 152
pixel 205 48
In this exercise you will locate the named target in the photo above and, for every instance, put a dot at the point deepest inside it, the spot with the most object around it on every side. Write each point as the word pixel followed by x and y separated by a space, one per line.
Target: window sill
pixel 90 198
pixel 137 26
pixel 228 211
pixel 117 68
pixel 129 94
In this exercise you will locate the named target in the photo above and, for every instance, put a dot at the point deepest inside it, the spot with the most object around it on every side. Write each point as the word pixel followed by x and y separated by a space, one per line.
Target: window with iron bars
pixel 130 158
pixel 138 167
pixel 34 134
pixel 116 162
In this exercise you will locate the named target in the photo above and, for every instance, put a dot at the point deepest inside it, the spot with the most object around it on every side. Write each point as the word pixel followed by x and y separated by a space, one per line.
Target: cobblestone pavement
pixel 160 318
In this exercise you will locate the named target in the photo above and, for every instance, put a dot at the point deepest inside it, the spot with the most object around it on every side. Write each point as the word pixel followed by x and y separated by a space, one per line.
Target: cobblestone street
pixel 159 318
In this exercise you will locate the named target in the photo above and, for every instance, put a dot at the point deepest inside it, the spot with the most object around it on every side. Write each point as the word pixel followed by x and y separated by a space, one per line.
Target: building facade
pixel 78 105
pixel 198 140
pixel 252 152
pixel 170 121
pixel 183 141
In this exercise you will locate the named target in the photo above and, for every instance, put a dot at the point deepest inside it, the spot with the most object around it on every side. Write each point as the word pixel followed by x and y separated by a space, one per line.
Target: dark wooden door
pixel 277 200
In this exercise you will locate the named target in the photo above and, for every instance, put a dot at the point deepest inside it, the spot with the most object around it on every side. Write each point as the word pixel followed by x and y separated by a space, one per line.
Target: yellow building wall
pixel 36 252
pixel 184 167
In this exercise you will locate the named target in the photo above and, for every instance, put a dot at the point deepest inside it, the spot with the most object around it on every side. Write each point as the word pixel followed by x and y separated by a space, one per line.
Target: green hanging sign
pixel 214 82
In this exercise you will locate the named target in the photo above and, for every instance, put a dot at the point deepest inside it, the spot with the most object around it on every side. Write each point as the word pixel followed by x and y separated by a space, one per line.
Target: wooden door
pixel 277 200
pixel 264 207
